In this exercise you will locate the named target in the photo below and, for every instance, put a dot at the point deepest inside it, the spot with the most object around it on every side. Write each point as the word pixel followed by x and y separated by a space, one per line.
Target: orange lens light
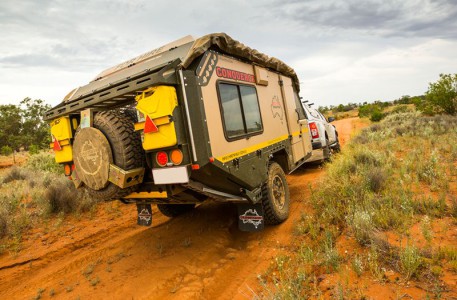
pixel 162 158
pixel 176 157
pixel 67 170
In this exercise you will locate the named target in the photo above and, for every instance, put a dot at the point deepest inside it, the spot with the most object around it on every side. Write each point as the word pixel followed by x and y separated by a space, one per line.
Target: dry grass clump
pixel 63 197
pixel 393 175
pixel 3 225
pixel 15 173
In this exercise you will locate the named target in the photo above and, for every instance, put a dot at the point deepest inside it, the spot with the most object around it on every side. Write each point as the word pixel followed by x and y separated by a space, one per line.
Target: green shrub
pixel 6 150
pixel 376 116
pixel 44 161
pixel 442 95
pixel 34 149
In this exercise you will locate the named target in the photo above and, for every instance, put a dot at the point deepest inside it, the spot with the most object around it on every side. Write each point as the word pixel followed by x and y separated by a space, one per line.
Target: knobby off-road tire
pixel 275 196
pixel 327 151
pixel 337 147
pixel 129 113
pixel 174 210
pixel 126 149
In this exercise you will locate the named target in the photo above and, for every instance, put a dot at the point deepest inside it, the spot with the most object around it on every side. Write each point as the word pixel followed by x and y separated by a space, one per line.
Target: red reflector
pixel 162 158
pixel 211 159
pixel 195 167
pixel 150 126
pixel 56 146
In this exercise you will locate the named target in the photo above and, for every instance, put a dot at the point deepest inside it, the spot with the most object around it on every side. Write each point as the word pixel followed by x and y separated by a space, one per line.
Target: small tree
pixel 442 95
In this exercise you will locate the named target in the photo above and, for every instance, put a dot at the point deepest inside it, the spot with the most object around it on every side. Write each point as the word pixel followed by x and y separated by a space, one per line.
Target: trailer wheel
pixel 126 149
pixel 275 196
pixel 174 210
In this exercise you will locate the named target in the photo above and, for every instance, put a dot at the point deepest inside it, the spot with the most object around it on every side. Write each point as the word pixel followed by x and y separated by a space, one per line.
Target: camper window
pixel 240 108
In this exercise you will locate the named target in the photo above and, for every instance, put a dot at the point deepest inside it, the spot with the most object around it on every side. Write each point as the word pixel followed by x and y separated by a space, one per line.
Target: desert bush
pixel 6 150
pixel 400 109
pixel 376 179
pixel 362 226
pixel 410 260
pixel 44 161
pixel 357 265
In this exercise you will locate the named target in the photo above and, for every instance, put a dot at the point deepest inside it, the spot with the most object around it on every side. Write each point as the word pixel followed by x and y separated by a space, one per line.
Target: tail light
pixel 314 131
pixel 176 157
pixel 67 170
pixel 162 158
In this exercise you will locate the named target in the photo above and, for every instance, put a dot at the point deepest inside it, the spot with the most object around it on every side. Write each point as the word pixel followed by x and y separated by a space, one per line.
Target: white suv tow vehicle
pixel 324 136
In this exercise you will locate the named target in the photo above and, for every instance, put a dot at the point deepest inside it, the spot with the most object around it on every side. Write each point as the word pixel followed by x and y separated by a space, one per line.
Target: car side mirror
pixel 330 119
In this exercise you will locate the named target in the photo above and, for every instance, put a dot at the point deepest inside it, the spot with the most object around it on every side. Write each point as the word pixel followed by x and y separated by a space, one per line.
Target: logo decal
pixel 276 108
pixel 90 158
pixel 251 216
pixel 235 75
pixel 144 215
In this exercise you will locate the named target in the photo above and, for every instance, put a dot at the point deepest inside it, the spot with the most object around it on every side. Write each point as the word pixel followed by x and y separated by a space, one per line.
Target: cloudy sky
pixel 343 51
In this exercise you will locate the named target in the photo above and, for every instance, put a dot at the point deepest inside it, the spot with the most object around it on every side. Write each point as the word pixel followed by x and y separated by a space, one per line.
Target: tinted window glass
pixel 241 110
pixel 231 107
pixel 251 109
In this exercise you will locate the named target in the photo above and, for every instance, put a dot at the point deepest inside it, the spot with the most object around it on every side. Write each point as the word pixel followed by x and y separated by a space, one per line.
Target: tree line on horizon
pixel 440 98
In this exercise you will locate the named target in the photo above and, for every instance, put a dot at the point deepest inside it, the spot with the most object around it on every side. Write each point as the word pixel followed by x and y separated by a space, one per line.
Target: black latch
pixel 236 163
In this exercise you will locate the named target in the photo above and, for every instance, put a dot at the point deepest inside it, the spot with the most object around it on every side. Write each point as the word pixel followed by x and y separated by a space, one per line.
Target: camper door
pixel 296 126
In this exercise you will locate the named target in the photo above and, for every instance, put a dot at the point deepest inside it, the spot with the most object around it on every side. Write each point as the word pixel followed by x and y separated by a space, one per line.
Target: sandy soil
pixel 200 255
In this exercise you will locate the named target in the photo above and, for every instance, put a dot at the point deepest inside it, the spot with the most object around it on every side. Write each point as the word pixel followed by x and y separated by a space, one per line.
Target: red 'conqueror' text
pixel 231 74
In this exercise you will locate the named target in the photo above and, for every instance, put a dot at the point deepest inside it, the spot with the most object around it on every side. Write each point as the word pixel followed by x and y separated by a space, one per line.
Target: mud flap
pixel 144 214
pixel 250 217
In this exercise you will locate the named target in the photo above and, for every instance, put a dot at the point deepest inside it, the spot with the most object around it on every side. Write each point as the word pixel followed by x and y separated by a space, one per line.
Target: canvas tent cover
pixel 230 46
pixel 186 49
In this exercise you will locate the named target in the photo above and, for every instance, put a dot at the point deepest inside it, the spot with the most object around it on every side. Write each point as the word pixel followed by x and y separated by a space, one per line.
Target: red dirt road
pixel 200 255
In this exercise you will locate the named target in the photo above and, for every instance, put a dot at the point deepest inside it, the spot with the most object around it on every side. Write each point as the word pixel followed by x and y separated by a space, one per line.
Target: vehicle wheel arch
pixel 281 158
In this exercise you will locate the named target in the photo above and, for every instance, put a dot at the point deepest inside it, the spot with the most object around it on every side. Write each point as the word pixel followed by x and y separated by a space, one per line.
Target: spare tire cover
pixel 92 157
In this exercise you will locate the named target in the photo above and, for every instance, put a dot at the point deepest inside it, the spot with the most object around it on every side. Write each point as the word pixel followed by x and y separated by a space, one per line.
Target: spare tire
pixel 115 140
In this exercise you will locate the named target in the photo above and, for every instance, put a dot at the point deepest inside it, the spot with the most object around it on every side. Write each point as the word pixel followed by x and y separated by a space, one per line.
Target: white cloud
pixel 385 75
